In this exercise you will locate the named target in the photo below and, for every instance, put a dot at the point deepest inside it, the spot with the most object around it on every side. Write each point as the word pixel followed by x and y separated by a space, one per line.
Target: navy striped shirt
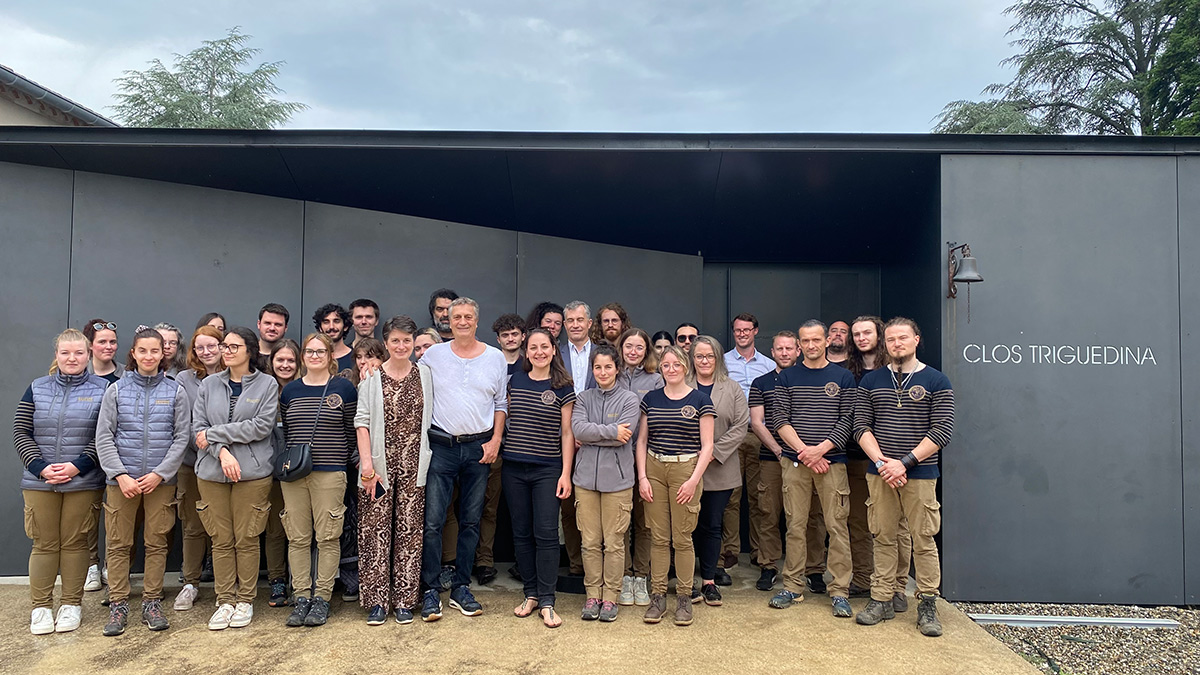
pixel 818 403
pixel 762 394
pixel 335 435
pixel 901 418
pixel 673 427
pixel 533 431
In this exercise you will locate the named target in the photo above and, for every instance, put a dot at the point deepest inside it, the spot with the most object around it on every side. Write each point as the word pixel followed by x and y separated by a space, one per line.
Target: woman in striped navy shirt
pixel 538 452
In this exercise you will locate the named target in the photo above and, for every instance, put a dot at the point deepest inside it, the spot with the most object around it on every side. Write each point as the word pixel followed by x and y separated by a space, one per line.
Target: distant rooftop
pixel 58 109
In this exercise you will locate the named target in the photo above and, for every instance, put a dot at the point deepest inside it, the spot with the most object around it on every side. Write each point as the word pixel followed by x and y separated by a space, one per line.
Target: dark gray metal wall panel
pixel 36 230
pixel 659 290
pixel 397 261
pixel 1063 481
pixel 1189 305
pixel 716 302
pixel 147 251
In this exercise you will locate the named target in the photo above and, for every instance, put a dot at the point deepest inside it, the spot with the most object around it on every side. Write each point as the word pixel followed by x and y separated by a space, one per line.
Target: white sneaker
pixel 243 614
pixel 41 622
pixel 626 597
pixel 93 582
pixel 68 618
pixel 641 596
pixel 104 574
pixel 186 598
pixel 220 619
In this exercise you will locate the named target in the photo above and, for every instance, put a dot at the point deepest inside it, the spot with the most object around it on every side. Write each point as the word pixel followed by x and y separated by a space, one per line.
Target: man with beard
pixel 611 321
pixel 334 321
pixel 272 326
pixel 685 335
pixel 439 311
pixel 839 341
pixel 364 314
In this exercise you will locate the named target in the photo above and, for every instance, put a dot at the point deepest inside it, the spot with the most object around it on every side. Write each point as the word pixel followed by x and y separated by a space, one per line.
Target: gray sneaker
pixel 152 615
pixel 875 612
pixel 591 609
pixel 118 618
pixel 626 598
pixel 841 607
pixel 608 611
pixel 927 620
pixel 900 603
pixel 784 599
pixel 641 595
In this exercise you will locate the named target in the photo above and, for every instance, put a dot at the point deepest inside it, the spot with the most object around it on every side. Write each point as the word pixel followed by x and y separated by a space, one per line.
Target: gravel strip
pixel 1096 650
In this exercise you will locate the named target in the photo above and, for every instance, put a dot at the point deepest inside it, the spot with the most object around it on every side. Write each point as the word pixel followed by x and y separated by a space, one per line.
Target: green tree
pixel 1175 84
pixel 1083 67
pixel 210 87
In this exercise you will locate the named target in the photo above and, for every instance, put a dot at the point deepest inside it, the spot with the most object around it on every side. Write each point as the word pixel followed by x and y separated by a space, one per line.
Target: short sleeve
pixel 566 396
pixel 756 397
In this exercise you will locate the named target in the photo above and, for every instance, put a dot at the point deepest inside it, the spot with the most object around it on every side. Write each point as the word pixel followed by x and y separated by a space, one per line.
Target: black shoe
pixel 377 617
pixel 462 600
pixel 875 612
pixel 318 613
pixel 697 597
pixel 722 578
pixel 299 612
pixel 515 573
pixel 350 595
pixel 857 591
pixel 404 615
pixel 279 594
pixel 152 615
pixel 766 580
pixel 431 606
pixel 446 578
pixel 485 574
pixel 816 583
pixel 206 571
pixel 181 579
pixel 927 620
pixel 118 618
pixel 712 596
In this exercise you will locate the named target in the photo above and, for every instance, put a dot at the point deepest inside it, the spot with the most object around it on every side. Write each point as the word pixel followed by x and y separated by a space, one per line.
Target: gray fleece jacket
pixel 246 432
pixel 602 463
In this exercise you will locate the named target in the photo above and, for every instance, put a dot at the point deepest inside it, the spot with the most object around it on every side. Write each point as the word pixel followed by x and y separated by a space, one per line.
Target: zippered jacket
pixel 245 430
pixel 602 463
pixel 143 427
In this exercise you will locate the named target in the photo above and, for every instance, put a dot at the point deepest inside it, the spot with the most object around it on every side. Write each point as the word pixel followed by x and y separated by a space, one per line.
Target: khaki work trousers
pixel 196 541
pixel 314 508
pixel 731 520
pixel 671 524
pixel 764 522
pixel 915 501
pixel 120 526
pixel 862 549
pixel 603 519
pixel 59 524
pixel 799 484
pixel 234 514
pixel 637 540
pixel 275 539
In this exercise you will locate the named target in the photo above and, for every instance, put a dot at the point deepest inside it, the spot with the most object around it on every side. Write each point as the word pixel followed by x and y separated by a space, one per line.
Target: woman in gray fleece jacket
pixel 233 418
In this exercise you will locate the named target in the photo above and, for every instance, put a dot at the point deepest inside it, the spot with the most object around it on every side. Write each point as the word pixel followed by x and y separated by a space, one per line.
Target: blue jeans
pixel 708 530
pixel 449 464
pixel 530 490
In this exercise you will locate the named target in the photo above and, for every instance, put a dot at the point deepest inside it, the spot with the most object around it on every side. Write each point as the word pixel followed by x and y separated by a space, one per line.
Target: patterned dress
pixel 390 528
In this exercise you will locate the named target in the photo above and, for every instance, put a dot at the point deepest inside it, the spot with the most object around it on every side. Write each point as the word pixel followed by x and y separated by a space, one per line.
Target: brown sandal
pixel 526 608
pixel 553 620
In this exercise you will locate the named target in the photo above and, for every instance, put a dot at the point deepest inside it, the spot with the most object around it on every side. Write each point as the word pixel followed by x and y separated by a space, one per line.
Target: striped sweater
pixel 533 430
pixel 818 403
pixel 762 395
pixel 335 435
pixel 901 418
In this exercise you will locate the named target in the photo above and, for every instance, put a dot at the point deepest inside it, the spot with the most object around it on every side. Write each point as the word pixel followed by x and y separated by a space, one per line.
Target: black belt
pixel 444 439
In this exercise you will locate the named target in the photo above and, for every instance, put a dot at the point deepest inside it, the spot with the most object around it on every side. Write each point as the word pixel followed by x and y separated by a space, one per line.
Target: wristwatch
pixel 879 465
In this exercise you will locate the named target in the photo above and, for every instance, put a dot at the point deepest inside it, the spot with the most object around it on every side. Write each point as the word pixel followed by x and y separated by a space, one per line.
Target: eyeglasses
pixel 316 352
pixel 170 343
pixel 104 326
pixel 206 349
pixel 741 331
pixel 704 357
pixel 685 338
pixel 231 349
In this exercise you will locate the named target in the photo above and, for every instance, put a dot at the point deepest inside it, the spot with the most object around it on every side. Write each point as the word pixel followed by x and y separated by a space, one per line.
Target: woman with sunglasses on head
pixel 317 409
pixel 724 473
pixel 284 364
pixel 173 355
pixel 102 336
pixel 141 436
pixel 538 452
pixel 232 418
pixel 54 432
pixel 674 447
pixel 204 359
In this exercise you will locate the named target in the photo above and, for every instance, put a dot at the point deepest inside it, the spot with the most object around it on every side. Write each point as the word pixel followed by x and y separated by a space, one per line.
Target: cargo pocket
pixel 843 503
pixel 933 519
pixel 31 529
pixel 166 521
pixel 205 515
pixel 624 516
pixel 257 522
pixel 691 516
pixel 113 534
pixel 872 520
pixel 329 525
pixel 91 522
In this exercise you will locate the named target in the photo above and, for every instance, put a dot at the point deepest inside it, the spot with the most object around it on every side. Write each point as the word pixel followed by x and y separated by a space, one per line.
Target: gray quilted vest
pixel 65 408
pixel 145 421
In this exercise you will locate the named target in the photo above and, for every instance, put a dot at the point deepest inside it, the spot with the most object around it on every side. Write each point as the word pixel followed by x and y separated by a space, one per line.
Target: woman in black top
pixel 538 451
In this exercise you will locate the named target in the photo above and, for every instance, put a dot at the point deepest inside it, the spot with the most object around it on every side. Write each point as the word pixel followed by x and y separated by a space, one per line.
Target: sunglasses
pixel 685 338
pixel 104 326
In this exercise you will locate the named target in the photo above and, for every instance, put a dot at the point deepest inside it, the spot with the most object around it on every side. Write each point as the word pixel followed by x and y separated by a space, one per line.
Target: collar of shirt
pixel 587 347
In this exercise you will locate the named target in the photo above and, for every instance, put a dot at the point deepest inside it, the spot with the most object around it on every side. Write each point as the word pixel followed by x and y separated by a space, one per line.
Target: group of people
pixel 639 445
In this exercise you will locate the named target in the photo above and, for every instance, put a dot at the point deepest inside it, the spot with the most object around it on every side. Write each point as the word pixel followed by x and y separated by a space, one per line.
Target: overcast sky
pixel 565 65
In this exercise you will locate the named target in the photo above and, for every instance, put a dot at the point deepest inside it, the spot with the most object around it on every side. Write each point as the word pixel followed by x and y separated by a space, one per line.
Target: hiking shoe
pixel 712 595
pixel 626 598
pixel 462 600
pixel 243 614
pixel 857 591
pixel 816 583
pixel 318 612
pixel 875 612
pixel 656 610
pixel 784 599
pixel 67 620
pixel 279 594
pixel 206 570
pixel 722 578
pixel 841 607
pixel 446 578
pixel 683 609
pixel 900 603
pixel 299 612
pixel 927 620
pixel 696 596
pixel 41 621
pixel 152 615
pixel 93 582
pixel 485 574
pixel 377 616
pixel 591 610
pixel 641 596
pixel 766 580
pixel 185 599
pixel 220 618
pixel 608 611
pixel 404 616
pixel 118 618
pixel 431 606
pixel 729 560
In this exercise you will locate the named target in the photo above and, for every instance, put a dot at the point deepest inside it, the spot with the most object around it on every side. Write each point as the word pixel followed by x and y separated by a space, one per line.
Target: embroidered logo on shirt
pixel 917 393
pixel 688 412
pixel 832 389
pixel 162 401
pixel 253 400
pixel 333 401
pixel 85 399
pixel 548 397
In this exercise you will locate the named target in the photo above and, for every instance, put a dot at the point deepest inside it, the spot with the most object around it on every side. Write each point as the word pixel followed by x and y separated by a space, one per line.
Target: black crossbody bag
pixel 295 462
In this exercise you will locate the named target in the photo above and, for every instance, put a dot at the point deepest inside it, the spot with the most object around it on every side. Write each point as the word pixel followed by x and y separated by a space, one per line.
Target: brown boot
pixel 683 610
pixel 657 608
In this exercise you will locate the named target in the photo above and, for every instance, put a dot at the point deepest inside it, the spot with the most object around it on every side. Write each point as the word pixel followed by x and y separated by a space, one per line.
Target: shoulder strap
pixel 320 407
